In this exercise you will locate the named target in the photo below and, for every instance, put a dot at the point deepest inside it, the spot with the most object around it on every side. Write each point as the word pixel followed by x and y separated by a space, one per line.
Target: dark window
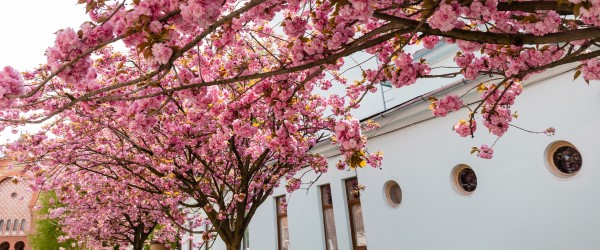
pixel 23 225
pixel 8 226
pixel 467 179
pixel 282 223
pixel 1 225
pixel 20 245
pixel 567 159
pixel 15 225
pixel 393 193
pixel 359 238
pixel 328 220
pixel 5 246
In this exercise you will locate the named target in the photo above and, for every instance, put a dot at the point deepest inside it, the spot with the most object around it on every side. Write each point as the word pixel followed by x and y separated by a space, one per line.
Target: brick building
pixel 16 204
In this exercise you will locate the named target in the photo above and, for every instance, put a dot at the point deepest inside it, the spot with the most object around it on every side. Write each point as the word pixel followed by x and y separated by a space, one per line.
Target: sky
pixel 28 29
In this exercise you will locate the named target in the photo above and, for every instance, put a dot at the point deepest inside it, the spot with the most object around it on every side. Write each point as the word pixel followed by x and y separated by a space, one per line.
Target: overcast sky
pixel 28 28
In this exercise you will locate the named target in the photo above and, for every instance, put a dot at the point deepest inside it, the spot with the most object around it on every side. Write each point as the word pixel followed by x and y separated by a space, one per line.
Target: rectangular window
pixel 246 240
pixel 282 223
pixel 328 220
pixel 359 238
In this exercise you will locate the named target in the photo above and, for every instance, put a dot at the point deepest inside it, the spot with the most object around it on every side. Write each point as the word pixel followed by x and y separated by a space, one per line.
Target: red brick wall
pixel 14 205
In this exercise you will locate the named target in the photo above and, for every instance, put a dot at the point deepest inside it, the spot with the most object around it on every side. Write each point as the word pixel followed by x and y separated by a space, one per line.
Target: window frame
pixel 352 203
pixel 457 183
pixel 324 207
pixel 280 215
pixel 549 152
pixel 388 196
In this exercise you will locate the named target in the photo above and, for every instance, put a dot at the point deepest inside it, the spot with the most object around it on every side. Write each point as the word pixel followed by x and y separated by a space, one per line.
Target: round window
pixel 564 159
pixel 13 195
pixel 464 179
pixel 393 193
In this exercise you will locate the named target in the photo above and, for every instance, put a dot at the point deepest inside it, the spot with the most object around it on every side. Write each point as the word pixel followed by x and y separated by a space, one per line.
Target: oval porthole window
pixel 564 159
pixel 393 193
pixel 13 195
pixel 464 179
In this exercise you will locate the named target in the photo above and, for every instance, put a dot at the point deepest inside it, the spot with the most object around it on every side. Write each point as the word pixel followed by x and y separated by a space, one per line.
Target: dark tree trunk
pixel 235 245
pixel 138 245
pixel 140 237
pixel 235 242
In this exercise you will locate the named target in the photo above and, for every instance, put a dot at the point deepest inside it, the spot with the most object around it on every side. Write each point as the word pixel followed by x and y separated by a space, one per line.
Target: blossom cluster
pixel 447 104
pixel 11 83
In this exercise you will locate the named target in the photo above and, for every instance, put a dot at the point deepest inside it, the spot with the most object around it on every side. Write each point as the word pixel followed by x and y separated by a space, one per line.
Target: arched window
pixel 23 225
pixel 8 225
pixel 15 224
pixel 20 245
pixel 5 246
pixel 1 225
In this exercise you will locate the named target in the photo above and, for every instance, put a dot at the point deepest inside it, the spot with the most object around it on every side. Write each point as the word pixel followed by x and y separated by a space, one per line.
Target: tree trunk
pixel 235 244
pixel 138 245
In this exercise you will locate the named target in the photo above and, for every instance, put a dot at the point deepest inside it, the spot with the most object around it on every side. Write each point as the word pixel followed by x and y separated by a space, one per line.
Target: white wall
pixel 518 203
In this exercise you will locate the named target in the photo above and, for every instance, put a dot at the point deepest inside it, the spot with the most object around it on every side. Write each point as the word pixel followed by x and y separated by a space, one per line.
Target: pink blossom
pixel 464 128
pixel 200 13
pixel 496 120
pixel 548 22
pixel 447 104
pixel 444 17
pixel 11 83
pixel 591 69
pixel 485 152
pixel 407 71
pixel 156 27
pixel 467 46
pixel 67 47
pixel 430 41
pixel 293 185
pixel 161 53
pixel 294 27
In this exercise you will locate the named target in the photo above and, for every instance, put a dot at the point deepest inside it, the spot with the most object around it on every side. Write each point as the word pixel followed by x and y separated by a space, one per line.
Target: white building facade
pixel 522 200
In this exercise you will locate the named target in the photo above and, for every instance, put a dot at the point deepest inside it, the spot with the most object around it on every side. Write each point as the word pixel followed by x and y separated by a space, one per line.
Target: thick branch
pixel 533 6
pixel 497 38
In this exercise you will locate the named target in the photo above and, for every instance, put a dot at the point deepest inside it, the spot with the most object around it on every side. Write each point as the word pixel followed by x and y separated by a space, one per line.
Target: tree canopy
pixel 214 102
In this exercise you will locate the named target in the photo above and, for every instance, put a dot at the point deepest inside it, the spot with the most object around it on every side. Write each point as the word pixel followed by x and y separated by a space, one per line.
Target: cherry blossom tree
pixel 220 150
pixel 104 215
pixel 93 204
pixel 213 102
